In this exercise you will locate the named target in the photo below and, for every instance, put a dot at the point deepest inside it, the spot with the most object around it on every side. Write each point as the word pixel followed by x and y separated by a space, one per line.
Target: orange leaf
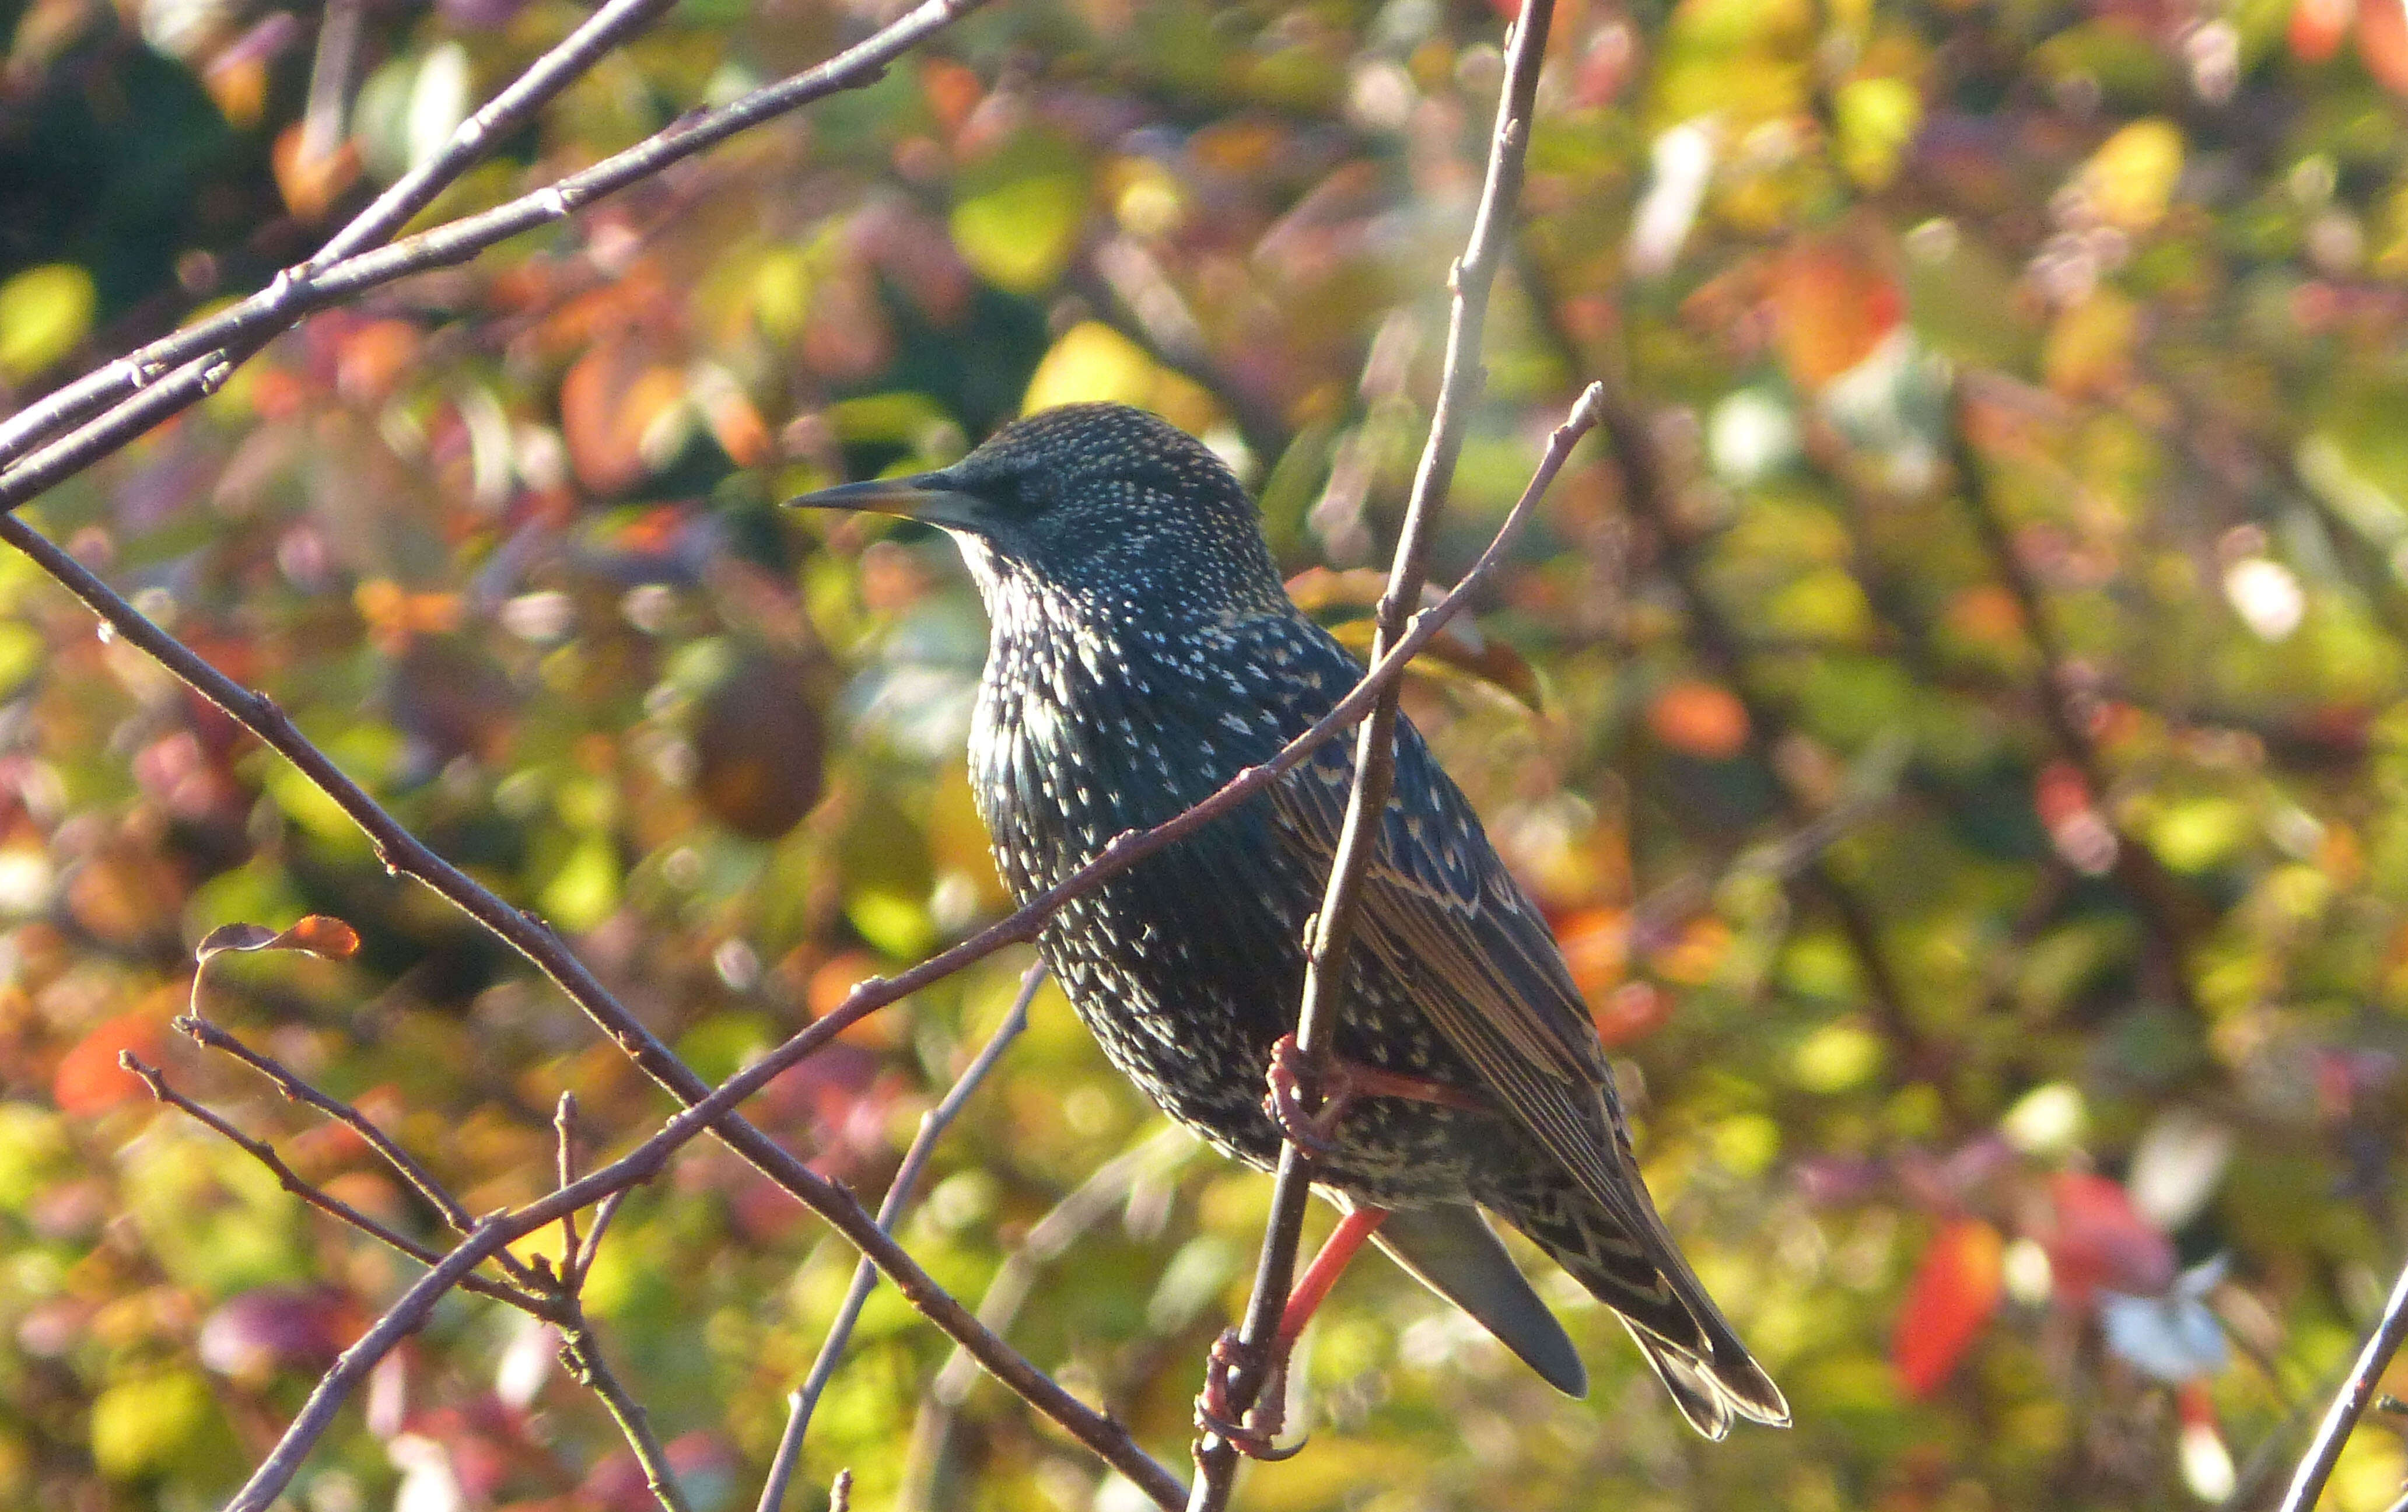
pixel 1700 719
pixel 314 934
pixel 1956 1288
pixel 1831 305
pixel 2382 44
pixel 2318 27
pixel 89 1079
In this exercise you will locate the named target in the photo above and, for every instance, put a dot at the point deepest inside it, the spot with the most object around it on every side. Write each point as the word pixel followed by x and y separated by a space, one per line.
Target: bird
pixel 1142 651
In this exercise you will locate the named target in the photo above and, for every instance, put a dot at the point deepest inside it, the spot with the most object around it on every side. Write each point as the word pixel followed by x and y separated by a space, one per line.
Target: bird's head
pixel 1095 502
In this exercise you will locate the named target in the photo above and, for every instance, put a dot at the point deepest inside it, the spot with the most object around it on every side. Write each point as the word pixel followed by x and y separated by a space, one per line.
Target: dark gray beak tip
pixel 886 495
pixel 929 497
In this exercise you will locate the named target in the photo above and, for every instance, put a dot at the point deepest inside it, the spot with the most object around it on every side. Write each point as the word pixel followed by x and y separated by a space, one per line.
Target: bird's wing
pixel 1440 912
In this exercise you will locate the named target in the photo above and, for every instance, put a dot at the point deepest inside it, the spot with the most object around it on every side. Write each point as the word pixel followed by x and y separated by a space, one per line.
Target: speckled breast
pixel 1188 966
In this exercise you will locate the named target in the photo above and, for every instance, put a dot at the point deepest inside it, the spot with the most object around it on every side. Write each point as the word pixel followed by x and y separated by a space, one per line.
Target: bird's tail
pixel 1635 1270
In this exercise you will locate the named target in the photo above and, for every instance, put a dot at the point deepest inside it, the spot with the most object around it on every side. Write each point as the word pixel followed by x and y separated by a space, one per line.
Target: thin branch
pixel 2324 1452
pixel 197 360
pixel 1331 936
pixel 324 1202
pixel 552 1299
pixel 411 192
pixel 581 1355
pixel 295 1089
pixel 933 1124
pixel 403 1318
pixel 564 1126
pixel 581 1262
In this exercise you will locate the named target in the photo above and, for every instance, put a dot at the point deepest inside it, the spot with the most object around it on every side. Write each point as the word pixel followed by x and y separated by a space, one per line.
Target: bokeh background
pixel 1973 791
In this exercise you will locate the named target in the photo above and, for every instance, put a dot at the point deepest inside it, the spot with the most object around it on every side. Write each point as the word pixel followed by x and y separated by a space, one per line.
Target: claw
pixel 1253 1434
pixel 1315 1133
pixel 1312 1132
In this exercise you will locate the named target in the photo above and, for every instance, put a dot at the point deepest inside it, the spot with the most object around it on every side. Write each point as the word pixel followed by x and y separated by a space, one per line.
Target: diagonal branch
pixel 933 1124
pixel 2324 1452
pixel 169 376
pixel 317 1197
pixel 411 192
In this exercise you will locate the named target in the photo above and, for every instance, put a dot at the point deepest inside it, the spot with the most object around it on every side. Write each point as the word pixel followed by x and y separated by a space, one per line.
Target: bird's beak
pixel 929 497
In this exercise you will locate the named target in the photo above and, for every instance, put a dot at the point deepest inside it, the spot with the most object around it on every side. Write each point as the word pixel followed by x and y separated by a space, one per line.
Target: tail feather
pixel 1688 1343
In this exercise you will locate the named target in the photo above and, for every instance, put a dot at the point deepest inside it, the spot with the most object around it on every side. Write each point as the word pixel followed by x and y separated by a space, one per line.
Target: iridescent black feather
pixel 1143 651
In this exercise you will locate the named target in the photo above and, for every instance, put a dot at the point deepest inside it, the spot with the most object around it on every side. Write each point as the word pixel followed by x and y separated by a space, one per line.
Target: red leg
pixel 1327 1267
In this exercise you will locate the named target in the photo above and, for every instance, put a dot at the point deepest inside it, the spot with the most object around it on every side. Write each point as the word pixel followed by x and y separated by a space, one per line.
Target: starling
pixel 1143 651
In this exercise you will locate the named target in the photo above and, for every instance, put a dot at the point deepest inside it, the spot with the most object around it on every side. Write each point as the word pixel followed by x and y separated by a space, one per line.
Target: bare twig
pixel 411 192
pixel 275 1473
pixel 581 1355
pixel 294 1088
pixel 533 1289
pixel 564 1128
pixel 1331 936
pixel 933 1124
pixel 170 375
pixel 581 1262
pixel 317 1197
pixel 2324 1450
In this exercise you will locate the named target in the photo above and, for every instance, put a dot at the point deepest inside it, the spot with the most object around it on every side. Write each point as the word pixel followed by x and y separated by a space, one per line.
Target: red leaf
pixel 1956 1288
pixel 89 1079
pixel 2098 1239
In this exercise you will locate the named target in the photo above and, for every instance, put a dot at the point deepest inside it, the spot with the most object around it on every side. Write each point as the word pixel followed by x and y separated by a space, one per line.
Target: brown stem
pixel 581 1355
pixel 324 1202
pixel 1331 935
pixel 413 192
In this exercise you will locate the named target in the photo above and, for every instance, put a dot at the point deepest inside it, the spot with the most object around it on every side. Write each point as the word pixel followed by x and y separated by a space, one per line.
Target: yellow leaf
pixel 1092 362
pixel 1877 118
pixel 44 312
pixel 1019 235
pixel 2130 179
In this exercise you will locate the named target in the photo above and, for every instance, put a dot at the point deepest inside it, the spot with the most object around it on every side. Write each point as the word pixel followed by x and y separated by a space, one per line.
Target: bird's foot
pixel 1315 1132
pixel 1253 1433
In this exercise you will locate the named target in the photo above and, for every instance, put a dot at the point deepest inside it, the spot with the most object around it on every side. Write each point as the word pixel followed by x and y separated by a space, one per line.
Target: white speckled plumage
pixel 1143 651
